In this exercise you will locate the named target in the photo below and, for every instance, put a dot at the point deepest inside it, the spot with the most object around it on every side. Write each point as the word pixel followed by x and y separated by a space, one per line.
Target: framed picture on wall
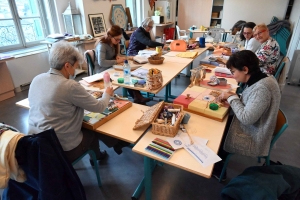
pixel 118 16
pixel 97 24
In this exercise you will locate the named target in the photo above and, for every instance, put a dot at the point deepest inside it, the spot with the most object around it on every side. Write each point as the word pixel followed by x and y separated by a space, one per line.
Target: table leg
pixel 124 92
pixel 149 165
pixel 167 92
pixel 191 34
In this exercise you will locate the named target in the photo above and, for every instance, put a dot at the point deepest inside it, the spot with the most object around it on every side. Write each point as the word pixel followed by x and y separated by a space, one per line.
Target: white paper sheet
pixel 182 138
pixel 204 155
pixel 93 78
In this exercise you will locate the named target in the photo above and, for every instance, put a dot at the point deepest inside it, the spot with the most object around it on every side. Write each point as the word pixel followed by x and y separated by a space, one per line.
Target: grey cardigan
pixel 59 103
pixel 255 118
pixel 105 57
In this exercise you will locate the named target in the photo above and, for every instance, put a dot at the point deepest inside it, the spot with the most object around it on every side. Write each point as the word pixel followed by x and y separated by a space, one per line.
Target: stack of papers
pixel 140 73
pixel 147 53
pixel 141 59
pixel 93 78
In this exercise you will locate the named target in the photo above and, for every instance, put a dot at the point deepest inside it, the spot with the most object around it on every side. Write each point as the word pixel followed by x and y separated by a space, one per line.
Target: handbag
pixel 178 45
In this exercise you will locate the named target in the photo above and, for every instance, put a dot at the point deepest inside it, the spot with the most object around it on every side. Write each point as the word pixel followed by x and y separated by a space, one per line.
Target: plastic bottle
pixel 163 39
pixel 106 79
pixel 127 73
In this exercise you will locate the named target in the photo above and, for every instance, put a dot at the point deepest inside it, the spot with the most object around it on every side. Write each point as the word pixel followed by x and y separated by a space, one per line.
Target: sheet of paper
pixel 203 154
pixel 93 78
pixel 182 138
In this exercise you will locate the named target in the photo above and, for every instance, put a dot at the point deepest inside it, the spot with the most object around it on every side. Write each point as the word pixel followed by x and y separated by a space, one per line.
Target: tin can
pixel 159 50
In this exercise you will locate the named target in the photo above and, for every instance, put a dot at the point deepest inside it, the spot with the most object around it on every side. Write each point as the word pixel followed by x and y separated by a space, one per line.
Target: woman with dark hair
pixel 107 48
pixel 106 51
pixel 247 35
pixel 237 26
pixel 250 131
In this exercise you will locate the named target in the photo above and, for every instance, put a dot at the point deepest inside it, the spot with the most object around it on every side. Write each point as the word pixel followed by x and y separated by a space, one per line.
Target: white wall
pixel 295 13
pixel 61 6
pixel 24 69
pixel 257 11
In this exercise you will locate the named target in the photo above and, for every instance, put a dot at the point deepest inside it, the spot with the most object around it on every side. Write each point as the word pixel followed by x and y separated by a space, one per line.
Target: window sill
pixel 27 51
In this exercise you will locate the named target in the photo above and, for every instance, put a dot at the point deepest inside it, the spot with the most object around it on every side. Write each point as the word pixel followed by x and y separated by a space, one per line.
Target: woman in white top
pixel 247 35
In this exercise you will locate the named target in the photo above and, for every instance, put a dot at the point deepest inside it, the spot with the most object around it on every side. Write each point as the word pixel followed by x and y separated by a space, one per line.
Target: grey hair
pixel 146 22
pixel 63 52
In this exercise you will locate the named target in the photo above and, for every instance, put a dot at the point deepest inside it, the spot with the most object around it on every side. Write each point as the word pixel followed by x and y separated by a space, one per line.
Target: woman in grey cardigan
pixel 255 112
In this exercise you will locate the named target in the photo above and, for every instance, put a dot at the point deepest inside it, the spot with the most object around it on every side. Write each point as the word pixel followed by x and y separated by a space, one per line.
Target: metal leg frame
pixel 149 165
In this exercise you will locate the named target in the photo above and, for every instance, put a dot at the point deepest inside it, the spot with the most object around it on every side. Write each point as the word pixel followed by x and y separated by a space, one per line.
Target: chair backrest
pixel 178 33
pixel 216 33
pixel 90 63
pixel 281 125
pixel 279 70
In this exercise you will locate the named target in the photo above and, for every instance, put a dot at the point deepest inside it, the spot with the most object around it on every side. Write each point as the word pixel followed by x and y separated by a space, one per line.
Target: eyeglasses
pixel 247 33
pixel 259 33
pixel 117 40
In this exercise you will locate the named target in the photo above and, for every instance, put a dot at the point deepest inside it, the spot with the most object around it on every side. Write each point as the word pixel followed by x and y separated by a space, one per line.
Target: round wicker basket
pixel 156 61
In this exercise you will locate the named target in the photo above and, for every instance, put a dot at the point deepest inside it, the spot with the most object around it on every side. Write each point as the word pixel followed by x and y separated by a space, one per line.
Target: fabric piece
pixel 9 167
pixel 187 55
pixel 264 182
pixel 49 174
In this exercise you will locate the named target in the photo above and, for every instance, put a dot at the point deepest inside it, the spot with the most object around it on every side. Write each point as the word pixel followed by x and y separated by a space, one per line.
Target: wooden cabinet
pixel 6 83
pixel 217 13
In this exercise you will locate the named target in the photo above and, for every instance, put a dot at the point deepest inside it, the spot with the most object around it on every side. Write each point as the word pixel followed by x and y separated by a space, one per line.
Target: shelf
pixel 216 18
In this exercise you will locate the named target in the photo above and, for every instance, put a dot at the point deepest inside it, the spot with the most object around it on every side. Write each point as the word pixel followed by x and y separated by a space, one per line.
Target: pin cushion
pixel 120 80
pixel 213 106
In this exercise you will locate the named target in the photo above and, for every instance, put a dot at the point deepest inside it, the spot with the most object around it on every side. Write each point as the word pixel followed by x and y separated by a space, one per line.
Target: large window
pixel 23 23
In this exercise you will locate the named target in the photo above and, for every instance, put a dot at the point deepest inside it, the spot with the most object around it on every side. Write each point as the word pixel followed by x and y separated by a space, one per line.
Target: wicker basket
pixel 156 60
pixel 165 129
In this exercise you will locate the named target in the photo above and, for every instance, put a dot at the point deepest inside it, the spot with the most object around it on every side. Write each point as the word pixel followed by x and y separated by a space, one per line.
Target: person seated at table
pixel 106 55
pixel 269 51
pixel 237 27
pixel 247 35
pixel 57 101
pixel 140 39
pixel 249 131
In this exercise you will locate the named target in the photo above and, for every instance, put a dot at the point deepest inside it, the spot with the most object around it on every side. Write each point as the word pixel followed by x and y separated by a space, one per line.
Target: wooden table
pixel 204 127
pixel 6 83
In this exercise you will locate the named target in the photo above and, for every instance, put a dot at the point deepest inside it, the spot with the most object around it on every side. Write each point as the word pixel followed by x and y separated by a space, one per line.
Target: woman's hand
pixel 120 59
pixel 226 95
pixel 110 91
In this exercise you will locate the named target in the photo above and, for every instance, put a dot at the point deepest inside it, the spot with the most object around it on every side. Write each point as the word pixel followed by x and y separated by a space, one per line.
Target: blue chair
pixel 279 70
pixel 96 167
pixel 281 125
pixel 90 63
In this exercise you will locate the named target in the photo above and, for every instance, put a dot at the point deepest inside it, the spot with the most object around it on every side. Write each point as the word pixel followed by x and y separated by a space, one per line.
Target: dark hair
pixel 237 26
pixel 244 58
pixel 247 25
pixel 114 31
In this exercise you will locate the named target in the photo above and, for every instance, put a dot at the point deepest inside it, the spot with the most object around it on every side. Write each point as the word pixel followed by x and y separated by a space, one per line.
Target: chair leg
pixel 267 160
pixel 258 159
pixel 225 166
pixel 96 167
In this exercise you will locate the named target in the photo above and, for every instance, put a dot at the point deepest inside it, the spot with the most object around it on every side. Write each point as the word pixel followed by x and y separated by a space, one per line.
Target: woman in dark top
pixel 140 38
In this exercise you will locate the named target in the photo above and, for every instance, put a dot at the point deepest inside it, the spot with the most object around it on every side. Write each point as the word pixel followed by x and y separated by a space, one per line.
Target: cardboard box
pixel 158 19
pixel 214 15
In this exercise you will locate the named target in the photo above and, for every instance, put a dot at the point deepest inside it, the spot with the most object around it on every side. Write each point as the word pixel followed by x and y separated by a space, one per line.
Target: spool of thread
pixel 120 80
pixel 202 42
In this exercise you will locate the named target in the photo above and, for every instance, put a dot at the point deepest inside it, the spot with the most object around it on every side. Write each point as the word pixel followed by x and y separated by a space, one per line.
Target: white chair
pixel 179 32
pixel 216 34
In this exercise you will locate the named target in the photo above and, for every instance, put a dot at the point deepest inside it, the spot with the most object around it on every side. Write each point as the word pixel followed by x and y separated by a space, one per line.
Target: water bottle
pixel 163 39
pixel 127 74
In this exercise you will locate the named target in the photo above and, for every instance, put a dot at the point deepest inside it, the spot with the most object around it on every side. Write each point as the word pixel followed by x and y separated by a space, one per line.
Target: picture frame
pixel 97 24
pixel 118 16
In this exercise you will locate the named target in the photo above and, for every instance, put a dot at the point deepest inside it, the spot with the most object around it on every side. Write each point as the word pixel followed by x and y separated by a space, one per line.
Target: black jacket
pixel 139 40
pixel 49 173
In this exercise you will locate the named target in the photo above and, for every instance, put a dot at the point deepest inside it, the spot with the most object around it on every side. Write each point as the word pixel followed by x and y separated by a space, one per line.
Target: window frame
pixel 17 21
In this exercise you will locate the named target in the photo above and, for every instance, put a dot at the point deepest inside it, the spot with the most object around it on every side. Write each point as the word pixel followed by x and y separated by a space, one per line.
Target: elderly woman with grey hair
pixel 140 38
pixel 56 101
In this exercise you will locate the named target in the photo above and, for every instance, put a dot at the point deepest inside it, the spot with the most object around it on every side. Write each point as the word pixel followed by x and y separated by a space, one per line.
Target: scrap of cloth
pixel 187 54
pixel 276 26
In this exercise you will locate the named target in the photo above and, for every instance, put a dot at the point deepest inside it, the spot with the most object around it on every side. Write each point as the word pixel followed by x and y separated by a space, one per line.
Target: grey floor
pixel 120 174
